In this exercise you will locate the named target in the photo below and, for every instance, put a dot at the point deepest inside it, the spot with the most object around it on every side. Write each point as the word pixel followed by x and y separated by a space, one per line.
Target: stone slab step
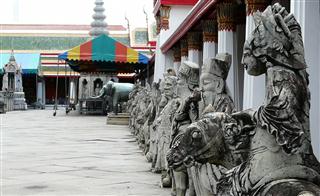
pixel 120 119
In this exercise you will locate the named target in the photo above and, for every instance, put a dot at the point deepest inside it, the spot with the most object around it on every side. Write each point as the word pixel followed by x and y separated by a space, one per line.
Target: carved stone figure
pixel 132 102
pixel 215 139
pixel 115 93
pixel 142 131
pixel 164 99
pixel 282 123
pixel 215 92
pixel 215 98
pixel 151 117
pixel 164 122
pixel 280 160
pixel 188 81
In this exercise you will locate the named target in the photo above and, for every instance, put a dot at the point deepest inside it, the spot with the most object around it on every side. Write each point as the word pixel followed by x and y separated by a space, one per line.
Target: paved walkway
pixel 71 155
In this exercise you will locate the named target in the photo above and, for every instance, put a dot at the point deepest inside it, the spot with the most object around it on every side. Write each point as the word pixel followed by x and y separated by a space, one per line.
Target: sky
pixel 73 11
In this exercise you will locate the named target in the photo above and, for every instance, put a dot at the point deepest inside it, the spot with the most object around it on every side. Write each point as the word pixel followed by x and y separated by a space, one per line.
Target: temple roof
pixel 28 61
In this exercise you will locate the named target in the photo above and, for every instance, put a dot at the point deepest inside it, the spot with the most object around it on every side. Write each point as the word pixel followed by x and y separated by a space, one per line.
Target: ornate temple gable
pixel 164 17
pixel 255 5
pixel 226 16
pixel 158 3
pixel 210 31
pixel 193 18
pixel 162 11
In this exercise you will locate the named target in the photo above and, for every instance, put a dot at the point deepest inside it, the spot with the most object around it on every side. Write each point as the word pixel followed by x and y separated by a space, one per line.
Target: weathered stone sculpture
pixel 188 81
pixel 142 131
pixel 164 122
pixel 215 98
pixel 273 141
pixel 151 117
pixel 213 84
pixel 164 99
pixel 115 93
pixel 282 124
pixel 132 103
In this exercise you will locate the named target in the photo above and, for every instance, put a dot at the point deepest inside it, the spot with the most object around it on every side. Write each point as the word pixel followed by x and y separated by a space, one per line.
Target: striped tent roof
pixel 104 54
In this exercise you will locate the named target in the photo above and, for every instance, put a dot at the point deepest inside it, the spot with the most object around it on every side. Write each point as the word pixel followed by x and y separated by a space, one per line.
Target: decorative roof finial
pixel 12 59
pixel 98 26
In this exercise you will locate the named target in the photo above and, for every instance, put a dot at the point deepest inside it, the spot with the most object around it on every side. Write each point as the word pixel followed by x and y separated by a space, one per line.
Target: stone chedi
pixel 98 26
pixel 266 151
pixel 12 83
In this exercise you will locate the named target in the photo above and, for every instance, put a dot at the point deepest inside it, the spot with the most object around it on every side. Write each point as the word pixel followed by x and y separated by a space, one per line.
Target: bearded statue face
pixel 170 85
pixel 211 86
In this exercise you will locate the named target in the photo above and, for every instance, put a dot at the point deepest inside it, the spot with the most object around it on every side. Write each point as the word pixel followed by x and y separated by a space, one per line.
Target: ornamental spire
pixel 98 26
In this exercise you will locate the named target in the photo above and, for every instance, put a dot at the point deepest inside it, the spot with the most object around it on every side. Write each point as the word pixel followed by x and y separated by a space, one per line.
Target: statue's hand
pixel 196 95
pixel 246 117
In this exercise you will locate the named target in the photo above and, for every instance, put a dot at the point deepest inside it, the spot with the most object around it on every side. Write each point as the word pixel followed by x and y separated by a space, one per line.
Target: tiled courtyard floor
pixel 71 155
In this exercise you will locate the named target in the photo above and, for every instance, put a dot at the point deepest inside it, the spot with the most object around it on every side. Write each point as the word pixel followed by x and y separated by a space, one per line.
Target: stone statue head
pixel 213 76
pixel 203 141
pixel 188 77
pixel 170 86
pixel 275 40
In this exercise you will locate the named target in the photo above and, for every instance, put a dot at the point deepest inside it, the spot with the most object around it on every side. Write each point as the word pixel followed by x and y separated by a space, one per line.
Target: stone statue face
pixel 169 86
pixel 211 85
pixel 275 40
pixel 251 63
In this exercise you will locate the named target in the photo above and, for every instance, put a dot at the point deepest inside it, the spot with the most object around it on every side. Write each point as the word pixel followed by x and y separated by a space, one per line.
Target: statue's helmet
pixel 277 38
pixel 218 66
pixel 190 71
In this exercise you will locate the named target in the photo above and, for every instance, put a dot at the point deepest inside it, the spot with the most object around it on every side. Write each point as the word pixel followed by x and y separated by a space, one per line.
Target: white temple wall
pixel 169 60
pixel 177 15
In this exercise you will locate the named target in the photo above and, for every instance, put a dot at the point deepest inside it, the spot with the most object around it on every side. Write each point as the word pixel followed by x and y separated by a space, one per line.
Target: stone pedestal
pixel 19 101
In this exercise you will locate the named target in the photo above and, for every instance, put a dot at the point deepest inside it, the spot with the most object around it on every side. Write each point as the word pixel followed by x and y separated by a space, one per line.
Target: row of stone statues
pixel 189 130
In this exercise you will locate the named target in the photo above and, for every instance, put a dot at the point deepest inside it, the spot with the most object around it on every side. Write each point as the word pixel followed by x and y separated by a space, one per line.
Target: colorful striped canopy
pixel 101 50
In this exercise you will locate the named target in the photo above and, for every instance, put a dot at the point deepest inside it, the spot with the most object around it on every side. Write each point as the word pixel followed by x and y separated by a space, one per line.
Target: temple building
pixel 197 30
pixel 12 84
pixel 37 46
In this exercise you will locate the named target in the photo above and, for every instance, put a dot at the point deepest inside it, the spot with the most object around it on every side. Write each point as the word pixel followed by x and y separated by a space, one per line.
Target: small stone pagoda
pixel 12 84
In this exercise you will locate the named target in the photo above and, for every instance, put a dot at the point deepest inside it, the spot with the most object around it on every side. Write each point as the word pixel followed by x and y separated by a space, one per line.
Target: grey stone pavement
pixel 71 155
